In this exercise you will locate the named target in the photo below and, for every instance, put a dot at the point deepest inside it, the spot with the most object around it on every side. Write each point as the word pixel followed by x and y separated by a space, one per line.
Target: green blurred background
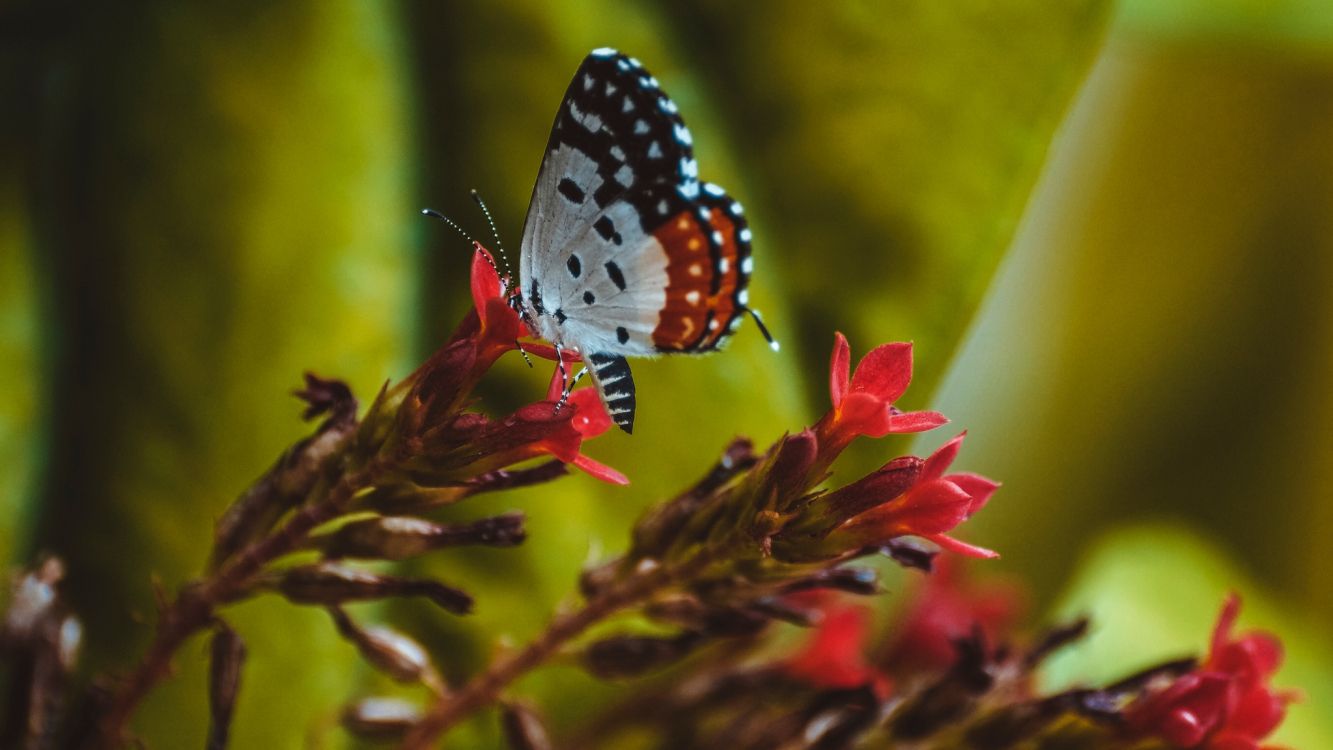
pixel 1108 228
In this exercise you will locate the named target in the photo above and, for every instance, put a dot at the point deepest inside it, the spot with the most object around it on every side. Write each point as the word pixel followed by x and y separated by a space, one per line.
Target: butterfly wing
pixel 625 252
pixel 615 130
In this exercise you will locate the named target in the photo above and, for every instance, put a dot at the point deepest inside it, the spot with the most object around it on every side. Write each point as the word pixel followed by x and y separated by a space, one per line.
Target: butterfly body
pixel 625 252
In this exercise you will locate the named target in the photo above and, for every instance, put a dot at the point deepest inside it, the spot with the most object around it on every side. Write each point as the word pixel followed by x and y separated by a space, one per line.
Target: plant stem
pixel 485 688
pixel 195 606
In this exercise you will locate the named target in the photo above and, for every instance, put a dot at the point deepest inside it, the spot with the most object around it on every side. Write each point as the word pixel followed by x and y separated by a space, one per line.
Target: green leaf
pixel 22 428
pixel 230 209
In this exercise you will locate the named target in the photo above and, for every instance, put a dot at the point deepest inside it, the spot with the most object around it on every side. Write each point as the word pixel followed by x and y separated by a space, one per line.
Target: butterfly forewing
pixel 625 252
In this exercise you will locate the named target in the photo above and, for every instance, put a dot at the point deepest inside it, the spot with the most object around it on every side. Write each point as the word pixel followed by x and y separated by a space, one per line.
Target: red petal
pixel 1182 728
pixel 979 487
pixel 590 417
pixel 940 460
pixel 1257 713
pixel 546 351
pixel 916 421
pixel 931 507
pixel 962 548
pixel 1226 621
pixel 599 470
pixel 485 279
pixel 1228 741
pixel 884 372
pixel 839 366
pixel 865 414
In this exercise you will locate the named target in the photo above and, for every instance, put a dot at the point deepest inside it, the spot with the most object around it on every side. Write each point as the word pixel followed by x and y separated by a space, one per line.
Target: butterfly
pixel 625 252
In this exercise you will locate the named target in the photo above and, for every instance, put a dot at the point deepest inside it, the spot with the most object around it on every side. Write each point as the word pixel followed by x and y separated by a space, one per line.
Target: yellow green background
pixel 1107 227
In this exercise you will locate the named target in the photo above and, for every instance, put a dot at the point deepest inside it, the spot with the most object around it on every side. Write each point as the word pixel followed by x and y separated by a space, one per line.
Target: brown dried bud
pixel 630 655
pixel 387 650
pixel 224 683
pixel 380 718
pixel 523 728
pixel 402 537
pixel 331 583
pixel 852 580
pixel 661 526
pixel 872 490
pixel 907 552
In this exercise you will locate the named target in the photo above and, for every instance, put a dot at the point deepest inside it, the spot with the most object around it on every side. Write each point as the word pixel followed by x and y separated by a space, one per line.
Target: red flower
pixel 863 401
pixel 834 656
pixel 933 506
pixel 946 608
pixel 589 419
pixel 500 325
pixel 1224 704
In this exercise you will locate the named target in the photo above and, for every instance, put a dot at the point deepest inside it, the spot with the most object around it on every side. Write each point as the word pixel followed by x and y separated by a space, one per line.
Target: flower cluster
pixel 758 543
pixel 1224 704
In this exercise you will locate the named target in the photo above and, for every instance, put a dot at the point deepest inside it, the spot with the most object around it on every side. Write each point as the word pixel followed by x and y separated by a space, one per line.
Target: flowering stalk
pixel 722 560
pixel 416 448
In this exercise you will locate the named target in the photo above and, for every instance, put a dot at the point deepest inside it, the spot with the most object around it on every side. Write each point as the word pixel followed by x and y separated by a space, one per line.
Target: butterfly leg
pixel 565 385
pixel 523 351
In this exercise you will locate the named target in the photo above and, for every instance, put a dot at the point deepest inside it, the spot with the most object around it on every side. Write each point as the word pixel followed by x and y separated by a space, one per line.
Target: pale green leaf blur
pixel 222 198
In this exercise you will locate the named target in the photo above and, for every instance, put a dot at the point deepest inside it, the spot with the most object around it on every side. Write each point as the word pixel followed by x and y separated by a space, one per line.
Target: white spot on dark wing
pixel 744 234
pixel 648 83
pixel 667 105
pixel 610 88
pixel 624 65
pixel 747 265
pixel 662 207
pixel 713 189
pixel 628 106
pixel 625 175
pixel 736 208
pixel 655 150
pixel 683 135
pixel 618 152
pixel 692 297
pixel 690 168
pixel 587 82
pixel 634 62
pixel 743 296
pixel 640 126
pixel 689 190
pixel 603 52
pixel 717 237
pixel 723 265
pixel 712 324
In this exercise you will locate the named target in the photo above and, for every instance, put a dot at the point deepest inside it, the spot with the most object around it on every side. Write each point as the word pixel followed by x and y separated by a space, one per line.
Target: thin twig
pixel 485 688
pixel 195 605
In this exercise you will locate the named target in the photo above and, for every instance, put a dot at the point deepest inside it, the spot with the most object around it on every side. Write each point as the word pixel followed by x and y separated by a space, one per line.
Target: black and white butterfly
pixel 625 252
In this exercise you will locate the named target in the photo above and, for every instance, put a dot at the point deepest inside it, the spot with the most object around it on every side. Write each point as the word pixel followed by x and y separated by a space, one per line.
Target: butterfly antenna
pixel 437 215
pixel 759 321
pixel 499 246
